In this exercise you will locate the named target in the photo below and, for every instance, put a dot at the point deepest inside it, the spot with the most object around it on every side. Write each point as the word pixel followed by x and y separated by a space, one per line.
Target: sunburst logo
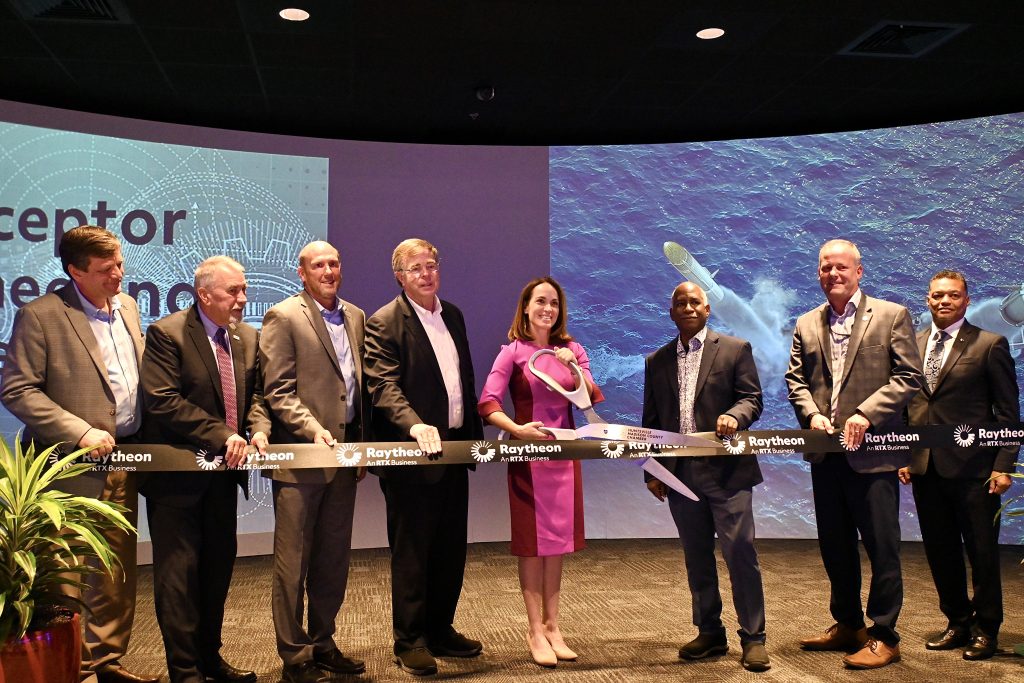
pixel 348 454
pixel 482 451
pixel 205 463
pixel 963 436
pixel 612 449
pixel 842 442
pixel 734 445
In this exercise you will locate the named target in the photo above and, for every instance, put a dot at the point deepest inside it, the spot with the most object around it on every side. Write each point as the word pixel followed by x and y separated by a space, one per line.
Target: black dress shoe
pixel 417 661
pixel 222 672
pixel 981 647
pixel 704 645
pixel 454 644
pixel 334 661
pixel 950 639
pixel 122 675
pixel 303 672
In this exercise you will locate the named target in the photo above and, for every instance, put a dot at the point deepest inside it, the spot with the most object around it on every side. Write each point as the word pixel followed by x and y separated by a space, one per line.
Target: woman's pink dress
pixel 545 498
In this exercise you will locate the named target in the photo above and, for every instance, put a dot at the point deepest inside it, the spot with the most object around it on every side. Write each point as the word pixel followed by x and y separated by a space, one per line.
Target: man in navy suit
pixel 420 379
pixel 969 378
pixel 704 381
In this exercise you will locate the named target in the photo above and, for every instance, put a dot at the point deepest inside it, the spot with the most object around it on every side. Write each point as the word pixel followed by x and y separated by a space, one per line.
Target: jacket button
pixel 112 412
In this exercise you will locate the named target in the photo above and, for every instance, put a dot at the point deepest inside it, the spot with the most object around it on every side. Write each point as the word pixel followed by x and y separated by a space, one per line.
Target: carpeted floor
pixel 626 610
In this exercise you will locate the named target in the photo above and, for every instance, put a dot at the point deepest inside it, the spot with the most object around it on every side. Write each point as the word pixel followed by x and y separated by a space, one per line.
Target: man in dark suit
pixel 703 381
pixel 72 377
pixel 854 366
pixel 311 354
pixel 970 378
pixel 201 387
pixel 420 378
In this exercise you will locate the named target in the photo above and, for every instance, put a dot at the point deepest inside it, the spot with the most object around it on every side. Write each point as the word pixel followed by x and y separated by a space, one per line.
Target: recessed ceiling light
pixel 710 33
pixel 294 14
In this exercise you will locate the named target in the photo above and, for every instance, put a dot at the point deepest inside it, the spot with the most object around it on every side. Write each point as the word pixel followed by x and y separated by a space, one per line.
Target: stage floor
pixel 625 610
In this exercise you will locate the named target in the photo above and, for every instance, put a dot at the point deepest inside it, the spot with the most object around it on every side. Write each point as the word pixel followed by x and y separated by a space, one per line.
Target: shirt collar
pixel 851 306
pixel 210 326
pixel 699 338
pixel 338 306
pixel 92 311
pixel 951 330
pixel 424 313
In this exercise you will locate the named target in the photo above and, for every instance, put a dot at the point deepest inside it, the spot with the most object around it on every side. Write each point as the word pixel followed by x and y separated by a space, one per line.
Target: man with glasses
pixel 420 379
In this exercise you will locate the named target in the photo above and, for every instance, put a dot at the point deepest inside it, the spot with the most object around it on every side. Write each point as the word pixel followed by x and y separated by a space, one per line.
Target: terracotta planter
pixel 49 655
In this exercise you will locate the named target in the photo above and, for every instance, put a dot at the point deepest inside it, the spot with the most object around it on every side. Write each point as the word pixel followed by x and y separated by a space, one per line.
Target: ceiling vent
pixel 907 39
pixel 89 11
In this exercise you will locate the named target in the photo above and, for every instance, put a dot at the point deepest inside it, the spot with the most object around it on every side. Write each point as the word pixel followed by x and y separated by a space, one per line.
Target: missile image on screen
pixel 688 266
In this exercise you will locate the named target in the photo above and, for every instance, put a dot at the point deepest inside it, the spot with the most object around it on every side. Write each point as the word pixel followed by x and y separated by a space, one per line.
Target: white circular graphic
pixel 205 464
pixel 348 454
pixel 482 451
pixel 735 446
pixel 963 436
pixel 612 449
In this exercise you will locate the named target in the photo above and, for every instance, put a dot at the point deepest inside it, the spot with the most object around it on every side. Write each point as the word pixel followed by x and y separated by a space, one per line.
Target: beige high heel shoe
pixel 561 650
pixel 542 653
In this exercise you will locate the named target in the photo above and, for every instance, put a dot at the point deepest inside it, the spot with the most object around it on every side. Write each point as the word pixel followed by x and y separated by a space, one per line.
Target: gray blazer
pixel 303 387
pixel 882 373
pixel 54 379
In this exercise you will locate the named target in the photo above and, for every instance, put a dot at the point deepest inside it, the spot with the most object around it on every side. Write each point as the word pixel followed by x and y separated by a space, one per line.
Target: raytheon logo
pixel 204 463
pixel 963 436
pixel 482 451
pixel 612 449
pixel 735 445
pixel 348 454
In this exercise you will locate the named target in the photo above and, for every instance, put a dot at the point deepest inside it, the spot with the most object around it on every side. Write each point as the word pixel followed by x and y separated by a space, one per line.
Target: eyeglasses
pixel 419 269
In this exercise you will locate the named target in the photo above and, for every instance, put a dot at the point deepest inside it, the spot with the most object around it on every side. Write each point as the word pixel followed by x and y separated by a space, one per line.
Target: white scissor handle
pixel 579 397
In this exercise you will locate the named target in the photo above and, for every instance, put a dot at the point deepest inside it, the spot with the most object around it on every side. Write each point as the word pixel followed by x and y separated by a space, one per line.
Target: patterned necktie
pixel 227 379
pixel 933 364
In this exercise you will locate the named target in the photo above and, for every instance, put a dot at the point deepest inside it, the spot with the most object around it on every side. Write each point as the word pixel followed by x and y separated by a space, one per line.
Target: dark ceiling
pixel 562 72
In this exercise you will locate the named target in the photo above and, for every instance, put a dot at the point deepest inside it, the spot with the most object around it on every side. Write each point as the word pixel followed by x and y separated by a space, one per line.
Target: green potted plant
pixel 46 536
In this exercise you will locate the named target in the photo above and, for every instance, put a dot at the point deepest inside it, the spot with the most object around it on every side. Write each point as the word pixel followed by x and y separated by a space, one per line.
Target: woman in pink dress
pixel 545 498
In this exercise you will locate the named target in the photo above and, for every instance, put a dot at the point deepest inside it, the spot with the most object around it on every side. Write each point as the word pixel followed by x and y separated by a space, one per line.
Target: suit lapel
pixel 964 337
pixel 315 319
pixel 707 357
pixel 80 324
pixel 197 333
pixel 824 341
pixel 355 341
pixel 238 366
pixel 133 325
pixel 860 325
pixel 412 321
pixel 922 346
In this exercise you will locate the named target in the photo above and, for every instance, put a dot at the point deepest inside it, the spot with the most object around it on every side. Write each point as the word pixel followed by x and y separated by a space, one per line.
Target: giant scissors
pixel 598 428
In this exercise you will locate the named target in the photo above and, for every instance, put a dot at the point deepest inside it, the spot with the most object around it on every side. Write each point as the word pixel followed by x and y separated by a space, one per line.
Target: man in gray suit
pixel 854 366
pixel 72 376
pixel 311 352
pixel 704 381
pixel 969 378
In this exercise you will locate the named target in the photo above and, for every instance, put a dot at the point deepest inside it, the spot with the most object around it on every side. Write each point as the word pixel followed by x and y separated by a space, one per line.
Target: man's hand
pixel 726 426
pixel 854 430
pixel 100 441
pixel 324 437
pixel 260 441
pixel 821 423
pixel 235 449
pixel 904 475
pixel 427 438
pixel 999 483
pixel 657 489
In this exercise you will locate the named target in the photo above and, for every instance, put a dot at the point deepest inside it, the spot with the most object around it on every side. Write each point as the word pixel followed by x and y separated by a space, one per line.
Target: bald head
pixel 689 310
pixel 320 272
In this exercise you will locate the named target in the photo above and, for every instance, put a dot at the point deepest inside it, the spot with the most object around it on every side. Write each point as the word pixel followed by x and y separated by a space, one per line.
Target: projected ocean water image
pixel 753 214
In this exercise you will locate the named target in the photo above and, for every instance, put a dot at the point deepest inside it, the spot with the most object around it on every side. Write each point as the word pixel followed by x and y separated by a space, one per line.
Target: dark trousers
pixel 312 542
pixel 193 557
pixel 959 514
pixel 427 536
pixel 847 502
pixel 729 513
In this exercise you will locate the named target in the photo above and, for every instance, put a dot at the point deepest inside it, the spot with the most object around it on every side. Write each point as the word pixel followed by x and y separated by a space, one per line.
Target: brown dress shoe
pixel 122 675
pixel 837 637
pixel 874 655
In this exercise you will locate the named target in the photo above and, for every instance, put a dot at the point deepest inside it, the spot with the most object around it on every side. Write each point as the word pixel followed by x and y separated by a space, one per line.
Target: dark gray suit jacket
pixel 303 387
pixel 727 384
pixel 882 373
pixel 977 384
pixel 405 383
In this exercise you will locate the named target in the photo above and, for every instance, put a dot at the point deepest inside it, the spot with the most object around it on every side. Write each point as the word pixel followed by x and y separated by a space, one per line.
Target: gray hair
pixel 207 270
pixel 841 243
pixel 406 247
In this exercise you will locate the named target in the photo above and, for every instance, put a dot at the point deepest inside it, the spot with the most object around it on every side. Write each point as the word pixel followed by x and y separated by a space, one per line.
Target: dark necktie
pixel 333 317
pixel 933 364
pixel 227 379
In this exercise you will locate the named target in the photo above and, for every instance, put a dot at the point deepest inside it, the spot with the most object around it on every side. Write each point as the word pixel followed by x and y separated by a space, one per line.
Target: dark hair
pixel 80 244
pixel 520 328
pixel 947 274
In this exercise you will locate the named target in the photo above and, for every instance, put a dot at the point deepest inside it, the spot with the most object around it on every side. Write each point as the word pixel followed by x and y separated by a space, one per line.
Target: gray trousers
pixel 312 540
pixel 730 515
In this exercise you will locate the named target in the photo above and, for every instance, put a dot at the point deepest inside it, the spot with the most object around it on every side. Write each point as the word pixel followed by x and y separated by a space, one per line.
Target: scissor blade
pixel 658 471
pixel 615 432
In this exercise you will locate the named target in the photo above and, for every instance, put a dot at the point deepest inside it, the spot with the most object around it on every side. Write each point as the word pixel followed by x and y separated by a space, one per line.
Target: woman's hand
pixel 530 432
pixel 565 355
